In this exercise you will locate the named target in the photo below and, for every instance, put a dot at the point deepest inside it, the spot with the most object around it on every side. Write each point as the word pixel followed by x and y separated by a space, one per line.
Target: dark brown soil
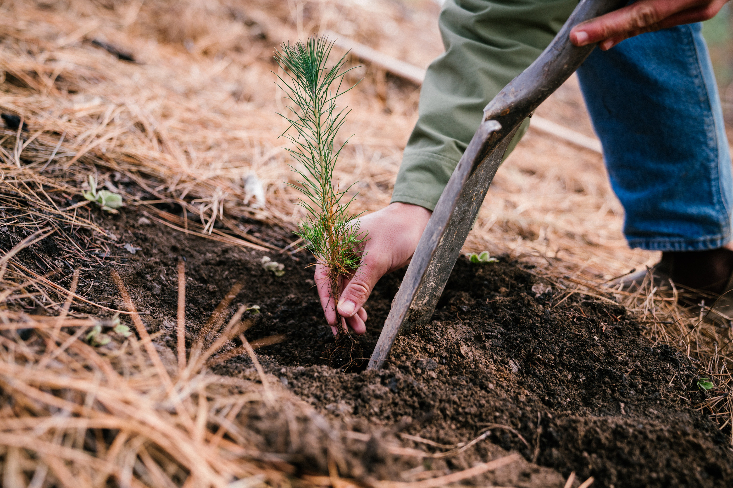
pixel 568 381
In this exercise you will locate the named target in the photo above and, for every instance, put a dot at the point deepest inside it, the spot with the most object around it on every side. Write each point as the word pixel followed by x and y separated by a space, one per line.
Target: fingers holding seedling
pixel 352 321
pixel 357 322
pixel 328 303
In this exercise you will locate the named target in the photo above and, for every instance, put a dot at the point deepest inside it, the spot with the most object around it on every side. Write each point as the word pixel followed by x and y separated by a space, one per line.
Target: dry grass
pixel 190 119
pixel 672 318
pixel 186 123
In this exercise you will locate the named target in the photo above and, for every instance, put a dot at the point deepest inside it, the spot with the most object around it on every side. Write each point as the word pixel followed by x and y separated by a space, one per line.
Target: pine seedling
pixel 329 231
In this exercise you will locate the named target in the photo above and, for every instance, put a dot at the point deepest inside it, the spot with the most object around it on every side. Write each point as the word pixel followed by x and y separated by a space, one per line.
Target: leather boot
pixel 703 273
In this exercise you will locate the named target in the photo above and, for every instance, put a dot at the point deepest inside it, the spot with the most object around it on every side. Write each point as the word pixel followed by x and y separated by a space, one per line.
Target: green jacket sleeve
pixel 487 43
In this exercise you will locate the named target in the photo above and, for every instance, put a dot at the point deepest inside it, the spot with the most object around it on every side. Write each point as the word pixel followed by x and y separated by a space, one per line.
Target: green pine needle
pixel 331 233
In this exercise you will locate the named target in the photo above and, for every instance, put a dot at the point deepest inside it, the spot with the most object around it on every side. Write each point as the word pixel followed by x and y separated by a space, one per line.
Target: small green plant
pixel 481 258
pixel 106 199
pixel 98 338
pixel 330 232
pixel 278 269
pixel 705 384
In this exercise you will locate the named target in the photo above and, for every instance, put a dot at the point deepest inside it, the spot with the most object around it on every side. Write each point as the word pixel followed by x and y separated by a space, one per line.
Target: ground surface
pixel 511 358
pixel 566 380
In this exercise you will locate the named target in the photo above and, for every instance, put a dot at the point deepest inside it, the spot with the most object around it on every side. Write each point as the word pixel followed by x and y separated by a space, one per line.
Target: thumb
pixel 360 286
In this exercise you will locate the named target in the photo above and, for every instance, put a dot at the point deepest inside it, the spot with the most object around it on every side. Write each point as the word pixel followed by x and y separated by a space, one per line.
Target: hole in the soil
pixel 346 354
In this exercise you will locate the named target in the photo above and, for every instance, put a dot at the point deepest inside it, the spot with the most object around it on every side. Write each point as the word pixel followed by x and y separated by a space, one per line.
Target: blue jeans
pixel 655 106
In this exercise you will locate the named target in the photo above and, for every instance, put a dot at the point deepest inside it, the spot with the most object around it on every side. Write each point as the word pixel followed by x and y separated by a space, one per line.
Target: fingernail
pixel 346 308
pixel 607 44
pixel 335 331
pixel 581 37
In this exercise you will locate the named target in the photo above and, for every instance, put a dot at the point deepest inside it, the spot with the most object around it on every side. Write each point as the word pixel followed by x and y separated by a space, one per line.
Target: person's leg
pixel 655 106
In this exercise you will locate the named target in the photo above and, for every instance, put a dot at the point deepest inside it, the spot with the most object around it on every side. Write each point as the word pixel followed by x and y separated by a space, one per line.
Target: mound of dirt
pixel 511 358
pixel 563 378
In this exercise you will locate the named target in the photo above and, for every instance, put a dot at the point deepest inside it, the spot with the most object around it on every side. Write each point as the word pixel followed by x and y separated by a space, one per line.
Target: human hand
pixel 392 236
pixel 642 16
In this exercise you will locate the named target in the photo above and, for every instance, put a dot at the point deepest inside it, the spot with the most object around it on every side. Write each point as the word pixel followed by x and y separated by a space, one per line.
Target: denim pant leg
pixel 655 106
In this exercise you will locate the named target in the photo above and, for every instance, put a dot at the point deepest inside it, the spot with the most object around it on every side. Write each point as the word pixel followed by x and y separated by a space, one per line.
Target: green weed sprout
pixel 705 384
pixel 106 199
pixel 329 231
pixel 97 338
pixel 481 258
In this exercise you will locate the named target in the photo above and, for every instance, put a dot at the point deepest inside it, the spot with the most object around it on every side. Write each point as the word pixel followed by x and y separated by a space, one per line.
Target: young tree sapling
pixel 330 232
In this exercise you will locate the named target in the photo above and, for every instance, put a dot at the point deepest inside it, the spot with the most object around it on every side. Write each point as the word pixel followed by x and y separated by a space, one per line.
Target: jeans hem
pixel 677 244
